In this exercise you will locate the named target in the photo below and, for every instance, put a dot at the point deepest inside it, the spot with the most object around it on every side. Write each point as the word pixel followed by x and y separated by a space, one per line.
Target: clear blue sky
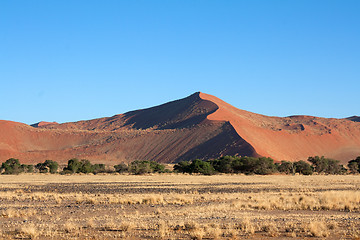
pixel 68 60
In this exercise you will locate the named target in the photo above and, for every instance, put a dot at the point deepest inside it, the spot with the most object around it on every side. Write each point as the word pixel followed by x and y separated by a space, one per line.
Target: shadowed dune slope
pixel 199 126
pixel 171 132
pixel 354 118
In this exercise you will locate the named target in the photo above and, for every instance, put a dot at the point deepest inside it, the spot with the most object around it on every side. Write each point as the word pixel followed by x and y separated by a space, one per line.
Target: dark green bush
pixel 73 166
pixel 100 168
pixel 28 168
pixel 224 164
pixel 47 166
pixel 247 165
pixel 196 166
pixel 83 166
pixel 354 165
pixel 182 167
pixel 12 166
pixel 303 167
pixel 121 168
pixel 264 166
pixel 144 167
pixel 286 167
pixel 202 167
pixel 326 165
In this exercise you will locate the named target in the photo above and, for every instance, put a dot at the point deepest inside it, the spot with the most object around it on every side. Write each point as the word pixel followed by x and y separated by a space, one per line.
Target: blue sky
pixel 76 60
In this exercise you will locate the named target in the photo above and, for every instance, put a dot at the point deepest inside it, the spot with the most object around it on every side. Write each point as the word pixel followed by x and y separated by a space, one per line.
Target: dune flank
pixel 199 126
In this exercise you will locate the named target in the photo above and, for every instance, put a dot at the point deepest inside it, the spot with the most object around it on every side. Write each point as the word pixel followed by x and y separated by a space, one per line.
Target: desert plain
pixel 178 206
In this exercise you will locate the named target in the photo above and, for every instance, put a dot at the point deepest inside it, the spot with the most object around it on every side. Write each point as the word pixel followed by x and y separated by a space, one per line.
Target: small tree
pixel 182 167
pixel 140 167
pixel 73 166
pixel 286 167
pixel 265 166
pixel 202 167
pixel 121 168
pixel 98 168
pixel 238 165
pixel 47 166
pixel 303 167
pixel 354 165
pixel 12 166
pixel 143 167
pixel 326 165
pixel 320 164
pixel 157 167
pixel 223 164
pixel 30 168
pixel 85 167
pixel 52 165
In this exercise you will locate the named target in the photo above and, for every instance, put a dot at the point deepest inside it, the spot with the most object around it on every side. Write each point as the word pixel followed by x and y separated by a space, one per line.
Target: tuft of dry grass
pixel 163 228
pixel 90 223
pixel 213 231
pixel 246 226
pixel 126 226
pixel 318 229
pixel 29 231
pixel 270 228
pixel 70 226
pixel 197 233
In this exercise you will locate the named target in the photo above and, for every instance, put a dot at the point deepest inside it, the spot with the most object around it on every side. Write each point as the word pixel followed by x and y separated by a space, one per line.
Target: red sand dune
pixel 199 126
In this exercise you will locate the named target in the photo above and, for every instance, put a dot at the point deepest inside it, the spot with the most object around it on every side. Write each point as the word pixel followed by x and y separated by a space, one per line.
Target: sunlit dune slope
pixel 291 138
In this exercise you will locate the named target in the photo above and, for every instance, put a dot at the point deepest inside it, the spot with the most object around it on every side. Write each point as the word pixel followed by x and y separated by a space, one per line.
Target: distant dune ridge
pixel 198 126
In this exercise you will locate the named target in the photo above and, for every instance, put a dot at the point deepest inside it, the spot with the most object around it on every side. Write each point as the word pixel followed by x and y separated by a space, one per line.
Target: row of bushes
pixel 227 164
pixel 13 166
pixel 263 166
pixel 141 167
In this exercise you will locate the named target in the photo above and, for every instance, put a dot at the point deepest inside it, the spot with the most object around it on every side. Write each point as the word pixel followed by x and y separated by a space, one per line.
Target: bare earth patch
pixel 35 206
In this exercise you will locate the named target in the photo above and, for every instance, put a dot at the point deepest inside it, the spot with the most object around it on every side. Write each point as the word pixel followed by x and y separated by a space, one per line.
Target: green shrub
pixel 264 166
pixel 73 166
pixel 29 168
pixel 12 166
pixel 326 165
pixel 354 165
pixel 247 165
pixel 157 167
pixel 83 166
pixel 182 167
pixel 224 164
pixel 47 166
pixel 303 167
pixel 144 167
pixel 99 168
pixel 286 167
pixel 121 168
pixel 202 167
pixel 196 166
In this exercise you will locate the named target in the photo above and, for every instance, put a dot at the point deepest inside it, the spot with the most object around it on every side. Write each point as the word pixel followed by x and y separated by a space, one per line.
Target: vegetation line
pixel 227 164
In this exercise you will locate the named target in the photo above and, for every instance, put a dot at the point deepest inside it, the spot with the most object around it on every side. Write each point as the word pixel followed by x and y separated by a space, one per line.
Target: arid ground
pixel 35 206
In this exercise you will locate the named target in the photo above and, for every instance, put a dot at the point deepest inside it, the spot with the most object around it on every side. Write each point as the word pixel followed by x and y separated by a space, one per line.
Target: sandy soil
pixel 35 206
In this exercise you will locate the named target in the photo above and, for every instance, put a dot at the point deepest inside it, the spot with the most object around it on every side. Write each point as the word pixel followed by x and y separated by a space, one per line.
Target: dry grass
pixel 179 207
